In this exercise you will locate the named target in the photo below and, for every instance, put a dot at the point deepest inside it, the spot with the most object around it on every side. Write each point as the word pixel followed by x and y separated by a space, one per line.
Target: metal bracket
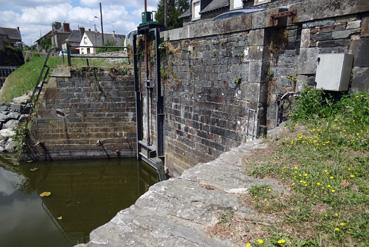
pixel 277 18
pixel 150 84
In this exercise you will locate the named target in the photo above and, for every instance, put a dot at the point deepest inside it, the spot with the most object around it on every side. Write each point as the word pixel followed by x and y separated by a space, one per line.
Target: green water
pixel 86 194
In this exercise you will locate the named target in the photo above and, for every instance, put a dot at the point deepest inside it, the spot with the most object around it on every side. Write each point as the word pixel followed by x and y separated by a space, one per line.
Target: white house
pixel 91 39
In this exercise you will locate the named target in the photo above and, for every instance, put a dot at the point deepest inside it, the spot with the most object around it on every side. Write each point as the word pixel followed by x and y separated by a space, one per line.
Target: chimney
pixel 89 29
pixel 56 26
pixel 82 30
pixel 66 27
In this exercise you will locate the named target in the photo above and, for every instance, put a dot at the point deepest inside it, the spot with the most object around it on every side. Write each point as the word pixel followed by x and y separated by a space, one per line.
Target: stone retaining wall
pixel 85 113
pixel 222 79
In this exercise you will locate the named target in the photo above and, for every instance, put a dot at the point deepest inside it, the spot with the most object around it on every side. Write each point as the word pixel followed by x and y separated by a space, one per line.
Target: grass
pixel 24 79
pixel 325 163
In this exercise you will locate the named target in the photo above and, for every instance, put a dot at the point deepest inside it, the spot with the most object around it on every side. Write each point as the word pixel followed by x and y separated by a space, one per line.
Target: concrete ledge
pixel 88 154
pixel 179 211
pixel 63 72
pixel 305 11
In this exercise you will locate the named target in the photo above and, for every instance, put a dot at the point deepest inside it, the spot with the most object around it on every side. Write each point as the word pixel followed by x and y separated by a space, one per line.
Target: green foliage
pixel 312 103
pixel 263 191
pixel 108 49
pixel 24 78
pixel 21 133
pixel 174 9
pixel 45 43
pixel 326 165
pixel 345 121
pixel 237 81
pixel 10 56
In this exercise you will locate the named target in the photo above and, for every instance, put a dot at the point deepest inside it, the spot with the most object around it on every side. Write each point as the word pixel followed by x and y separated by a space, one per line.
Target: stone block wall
pixel 211 93
pixel 85 113
pixel 293 51
pixel 348 34
pixel 207 111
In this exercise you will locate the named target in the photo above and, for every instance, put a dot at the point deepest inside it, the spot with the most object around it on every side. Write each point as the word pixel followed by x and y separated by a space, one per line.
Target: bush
pixel 10 56
pixel 312 103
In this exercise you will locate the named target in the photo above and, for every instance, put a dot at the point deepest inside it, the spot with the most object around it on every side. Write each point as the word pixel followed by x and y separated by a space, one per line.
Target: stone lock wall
pixel 348 34
pixel 211 96
pixel 223 78
pixel 221 81
pixel 85 113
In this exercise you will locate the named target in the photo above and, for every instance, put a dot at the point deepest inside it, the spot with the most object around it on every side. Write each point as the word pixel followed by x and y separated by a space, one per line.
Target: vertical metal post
pixel 102 25
pixel 160 99
pixel 148 88
pixel 68 55
pixel 139 127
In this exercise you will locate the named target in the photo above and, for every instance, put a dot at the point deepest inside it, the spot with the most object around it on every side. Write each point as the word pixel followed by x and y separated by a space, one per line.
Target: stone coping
pixel 179 211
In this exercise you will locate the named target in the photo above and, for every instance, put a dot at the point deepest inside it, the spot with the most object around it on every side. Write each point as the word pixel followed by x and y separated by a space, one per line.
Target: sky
pixel 34 17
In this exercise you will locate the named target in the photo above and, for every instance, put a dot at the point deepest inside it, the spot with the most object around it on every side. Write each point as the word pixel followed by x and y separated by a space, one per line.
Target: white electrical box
pixel 334 71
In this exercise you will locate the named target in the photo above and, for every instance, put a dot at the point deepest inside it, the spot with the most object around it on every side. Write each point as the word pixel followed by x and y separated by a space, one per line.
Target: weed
pixel 326 167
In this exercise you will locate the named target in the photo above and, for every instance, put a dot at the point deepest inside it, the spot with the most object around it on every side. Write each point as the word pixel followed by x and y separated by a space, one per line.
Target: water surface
pixel 84 195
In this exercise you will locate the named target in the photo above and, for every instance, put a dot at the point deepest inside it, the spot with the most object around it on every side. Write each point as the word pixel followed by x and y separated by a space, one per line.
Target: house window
pixel 195 10
pixel 85 40
pixel 237 4
pixel 88 50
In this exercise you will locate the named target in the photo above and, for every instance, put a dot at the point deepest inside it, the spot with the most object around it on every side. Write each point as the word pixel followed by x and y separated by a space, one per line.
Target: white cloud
pixel 33 2
pixel 35 16
pixel 130 3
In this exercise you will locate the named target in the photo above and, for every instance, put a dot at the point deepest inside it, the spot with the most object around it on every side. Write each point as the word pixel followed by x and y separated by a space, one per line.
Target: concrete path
pixel 180 211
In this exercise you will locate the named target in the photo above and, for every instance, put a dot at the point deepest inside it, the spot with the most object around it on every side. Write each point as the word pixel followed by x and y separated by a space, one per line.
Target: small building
pixel 44 42
pixel 74 40
pixel 91 39
pixel 205 9
pixel 54 38
pixel 10 37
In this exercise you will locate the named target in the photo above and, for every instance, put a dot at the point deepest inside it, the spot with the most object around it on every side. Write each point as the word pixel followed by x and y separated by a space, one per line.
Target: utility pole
pixel 102 25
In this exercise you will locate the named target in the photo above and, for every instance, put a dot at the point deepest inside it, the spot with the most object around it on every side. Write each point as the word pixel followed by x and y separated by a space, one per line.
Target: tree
pixel 174 9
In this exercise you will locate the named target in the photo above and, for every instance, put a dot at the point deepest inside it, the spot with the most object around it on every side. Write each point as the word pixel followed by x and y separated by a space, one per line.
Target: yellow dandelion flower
pixel 352 176
pixel 281 241
pixel 342 224
pixel 331 177
pixel 318 184
pixel 333 191
pixel 260 241
pixel 248 244
pixel 329 186
pixel 337 229
pixel 305 174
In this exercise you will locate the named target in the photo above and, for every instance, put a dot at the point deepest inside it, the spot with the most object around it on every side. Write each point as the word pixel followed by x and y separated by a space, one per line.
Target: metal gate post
pixel 160 100
pixel 138 101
